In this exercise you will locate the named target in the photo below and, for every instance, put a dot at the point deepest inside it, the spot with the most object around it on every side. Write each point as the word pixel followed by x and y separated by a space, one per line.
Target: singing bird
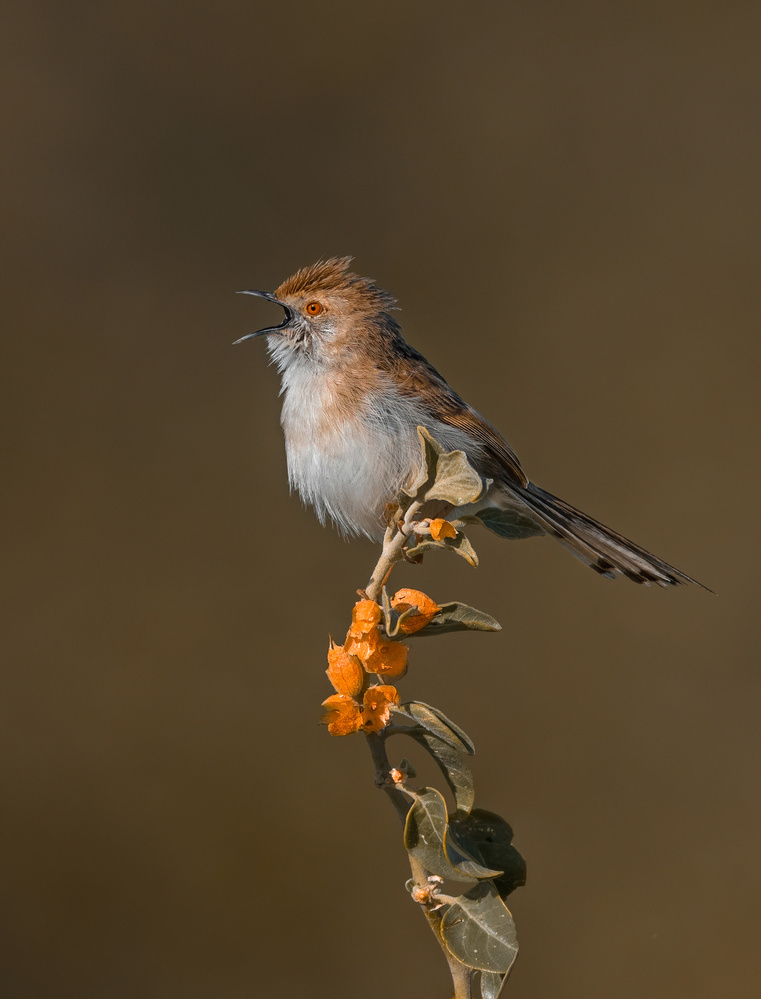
pixel 354 394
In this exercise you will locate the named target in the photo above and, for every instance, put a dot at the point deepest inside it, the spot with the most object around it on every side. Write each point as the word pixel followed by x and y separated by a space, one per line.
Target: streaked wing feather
pixel 417 377
pixel 502 462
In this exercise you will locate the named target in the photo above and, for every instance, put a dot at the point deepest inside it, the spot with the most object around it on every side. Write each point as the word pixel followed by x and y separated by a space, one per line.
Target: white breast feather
pixel 349 469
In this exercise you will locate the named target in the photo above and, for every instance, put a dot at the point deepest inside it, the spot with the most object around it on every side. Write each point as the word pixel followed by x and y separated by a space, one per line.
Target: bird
pixel 355 392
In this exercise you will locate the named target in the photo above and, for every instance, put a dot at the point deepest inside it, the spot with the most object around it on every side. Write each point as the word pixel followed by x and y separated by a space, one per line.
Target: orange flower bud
pixel 362 648
pixel 426 609
pixel 388 658
pixel 345 671
pixel 376 712
pixel 442 529
pixel 344 714
pixel 364 618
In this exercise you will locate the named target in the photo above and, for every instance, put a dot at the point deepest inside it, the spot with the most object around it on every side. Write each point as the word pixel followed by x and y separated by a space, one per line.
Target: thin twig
pixel 393 543
pixel 462 976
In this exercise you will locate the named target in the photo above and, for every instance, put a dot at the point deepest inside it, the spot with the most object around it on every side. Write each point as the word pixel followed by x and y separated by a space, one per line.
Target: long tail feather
pixel 598 546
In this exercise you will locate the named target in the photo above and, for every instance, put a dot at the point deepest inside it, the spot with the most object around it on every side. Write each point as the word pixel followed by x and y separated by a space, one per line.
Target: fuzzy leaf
pixel 479 930
pixel 489 838
pixel 455 616
pixel 436 721
pixel 509 523
pixel 450 761
pixel 457 482
pixel 431 452
pixel 491 984
pixel 458 544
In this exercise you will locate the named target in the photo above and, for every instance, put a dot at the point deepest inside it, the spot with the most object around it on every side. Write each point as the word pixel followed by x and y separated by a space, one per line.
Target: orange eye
pixel 314 308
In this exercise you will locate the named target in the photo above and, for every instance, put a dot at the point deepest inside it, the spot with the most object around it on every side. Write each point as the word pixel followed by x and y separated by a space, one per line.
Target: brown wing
pixel 417 377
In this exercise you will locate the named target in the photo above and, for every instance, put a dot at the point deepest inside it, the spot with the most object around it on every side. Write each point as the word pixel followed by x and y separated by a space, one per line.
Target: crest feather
pixel 333 275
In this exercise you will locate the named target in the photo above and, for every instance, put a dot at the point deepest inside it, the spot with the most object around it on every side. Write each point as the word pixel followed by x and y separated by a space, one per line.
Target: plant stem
pixel 377 746
pixel 393 548
pixel 393 543
pixel 462 976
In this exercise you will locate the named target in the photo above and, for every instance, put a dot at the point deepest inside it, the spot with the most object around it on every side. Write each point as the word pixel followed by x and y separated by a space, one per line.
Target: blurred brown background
pixel 565 198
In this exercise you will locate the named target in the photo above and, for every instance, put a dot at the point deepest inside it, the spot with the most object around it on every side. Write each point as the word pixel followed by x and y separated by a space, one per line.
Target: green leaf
pixel 479 930
pixel 431 452
pixel 452 764
pixel 426 837
pixel 436 721
pixel 456 482
pixel 509 523
pixel 464 861
pixel 425 829
pixel 458 544
pixel 455 616
pixel 450 761
pixel 489 838
pixel 491 984
pixel 422 713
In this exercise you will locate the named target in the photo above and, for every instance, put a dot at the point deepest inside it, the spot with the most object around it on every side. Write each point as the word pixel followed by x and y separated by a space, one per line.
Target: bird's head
pixel 328 313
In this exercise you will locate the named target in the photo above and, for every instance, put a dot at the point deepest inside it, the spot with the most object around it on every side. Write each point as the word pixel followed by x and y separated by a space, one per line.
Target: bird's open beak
pixel 270 329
